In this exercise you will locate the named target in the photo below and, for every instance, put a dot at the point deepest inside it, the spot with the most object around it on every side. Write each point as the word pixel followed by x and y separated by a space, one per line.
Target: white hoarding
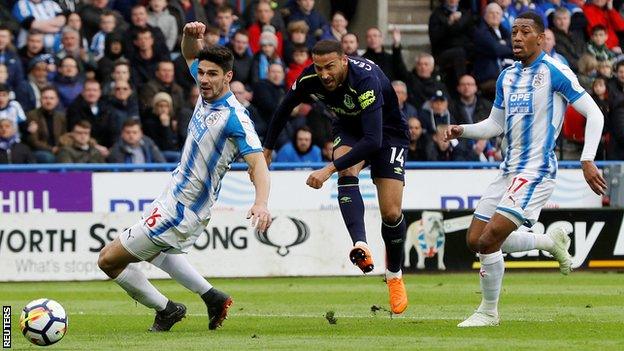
pixel 66 246
pixel 424 189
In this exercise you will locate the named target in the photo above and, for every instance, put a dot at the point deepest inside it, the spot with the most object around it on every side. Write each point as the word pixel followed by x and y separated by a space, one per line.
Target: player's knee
pixel 487 242
pixel 106 263
pixel 391 216
pixel 473 243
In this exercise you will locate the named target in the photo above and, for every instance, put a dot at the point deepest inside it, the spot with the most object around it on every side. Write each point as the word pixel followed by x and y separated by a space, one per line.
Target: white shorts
pixel 162 229
pixel 518 197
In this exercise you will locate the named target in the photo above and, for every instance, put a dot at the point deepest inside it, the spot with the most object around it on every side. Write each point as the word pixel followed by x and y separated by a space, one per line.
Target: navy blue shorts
pixel 387 162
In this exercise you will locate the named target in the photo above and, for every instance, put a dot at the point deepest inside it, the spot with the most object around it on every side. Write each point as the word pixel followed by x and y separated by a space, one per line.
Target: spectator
pixel 587 65
pixel 597 47
pixel 265 58
pixel 300 149
pixel 158 16
pixel 12 150
pixel 443 150
pixel 547 9
pixel 134 147
pixel 615 125
pixel 113 52
pixel 449 33
pixel 270 91
pixel 90 107
pixel 211 36
pixel 137 27
pixel 337 29
pixel 10 59
pixel 605 70
pixel 244 97
pixel 304 10
pixel 28 92
pixel 264 16
pixel 615 86
pixel 91 14
pixel 121 72
pixel 483 151
pixel 70 40
pixel 163 82
pixel 98 43
pixel 422 82
pixel 301 60
pixel 419 141
pixel 45 126
pixel 75 22
pixel 186 113
pixel 569 43
pixel 145 59
pixel 77 146
pixel 7 18
pixel 243 60
pixel 470 107
pixel 548 45
pixel 391 64
pixel 601 12
pixel 328 151
pixel 492 49
pixel 401 90
pixel 350 44
pixel 250 14
pixel 297 31
pixel 510 12
pixel 33 48
pixel 45 16
pixel 123 104
pixel 160 124
pixel 188 11
pixel 225 23
pixel 68 81
pixel 436 112
pixel 11 109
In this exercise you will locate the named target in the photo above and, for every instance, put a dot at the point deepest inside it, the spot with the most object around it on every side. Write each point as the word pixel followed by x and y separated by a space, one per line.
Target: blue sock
pixel 394 238
pixel 352 207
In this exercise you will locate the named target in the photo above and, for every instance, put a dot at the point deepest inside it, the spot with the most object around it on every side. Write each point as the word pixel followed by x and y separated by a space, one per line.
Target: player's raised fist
pixel 453 132
pixel 194 29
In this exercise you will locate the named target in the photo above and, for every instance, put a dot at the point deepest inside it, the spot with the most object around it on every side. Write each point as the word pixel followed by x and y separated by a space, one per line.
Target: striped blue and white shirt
pixel 534 99
pixel 218 132
pixel 98 45
pixel 40 10
pixel 13 112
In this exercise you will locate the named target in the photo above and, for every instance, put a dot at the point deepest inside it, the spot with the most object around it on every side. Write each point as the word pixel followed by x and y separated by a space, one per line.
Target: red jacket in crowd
pixel 611 19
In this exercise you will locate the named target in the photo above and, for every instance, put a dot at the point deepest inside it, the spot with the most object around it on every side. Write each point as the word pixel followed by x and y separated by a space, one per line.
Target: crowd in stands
pixel 90 81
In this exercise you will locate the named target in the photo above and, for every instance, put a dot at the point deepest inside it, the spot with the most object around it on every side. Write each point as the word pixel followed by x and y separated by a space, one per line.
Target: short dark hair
pixel 619 64
pixel 130 123
pixel 538 22
pixel 598 28
pixel 49 88
pixel 5 28
pixel 300 48
pixel 4 88
pixel 351 33
pixel 241 31
pixel 218 55
pixel 325 47
pixel 83 123
pixel 225 8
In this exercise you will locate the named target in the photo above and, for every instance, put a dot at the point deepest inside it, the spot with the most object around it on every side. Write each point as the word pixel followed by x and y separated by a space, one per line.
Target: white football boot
pixel 561 242
pixel 480 319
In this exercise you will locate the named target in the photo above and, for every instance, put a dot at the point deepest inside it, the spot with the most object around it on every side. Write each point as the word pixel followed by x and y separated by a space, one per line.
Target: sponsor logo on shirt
pixel 520 103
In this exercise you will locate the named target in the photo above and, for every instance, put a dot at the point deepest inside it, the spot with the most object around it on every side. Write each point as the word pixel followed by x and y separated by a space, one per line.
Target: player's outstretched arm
pixel 259 173
pixel 486 129
pixel 586 106
pixel 192 40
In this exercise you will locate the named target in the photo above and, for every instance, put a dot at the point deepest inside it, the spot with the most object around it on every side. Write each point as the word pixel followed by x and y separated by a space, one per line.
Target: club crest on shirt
pixel 348 101
pixel 538 80
pixel 214 117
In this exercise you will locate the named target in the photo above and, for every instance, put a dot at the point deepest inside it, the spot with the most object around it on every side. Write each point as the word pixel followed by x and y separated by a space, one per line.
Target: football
pixel 43 322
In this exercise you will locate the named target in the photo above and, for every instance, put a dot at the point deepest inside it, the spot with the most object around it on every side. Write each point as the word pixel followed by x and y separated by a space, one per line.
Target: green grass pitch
pixel 539 311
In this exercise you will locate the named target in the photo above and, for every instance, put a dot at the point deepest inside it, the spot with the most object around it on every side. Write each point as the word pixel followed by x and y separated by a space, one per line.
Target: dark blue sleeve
pixel 371 142
pixel 293 97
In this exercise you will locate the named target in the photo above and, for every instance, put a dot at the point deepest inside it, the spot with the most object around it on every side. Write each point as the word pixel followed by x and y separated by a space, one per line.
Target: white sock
pixel 134 282
pixel 491 276
pixel 519 241
pixel 179 268
pixel 392 275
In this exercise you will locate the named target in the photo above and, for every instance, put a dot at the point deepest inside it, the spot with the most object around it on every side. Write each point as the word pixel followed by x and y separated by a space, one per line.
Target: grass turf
pixel 539 311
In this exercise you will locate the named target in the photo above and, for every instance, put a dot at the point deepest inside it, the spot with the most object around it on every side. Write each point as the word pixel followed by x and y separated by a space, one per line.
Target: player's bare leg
pixel 393 231
pixel 352 210
pixel 115 261
pixel 488 244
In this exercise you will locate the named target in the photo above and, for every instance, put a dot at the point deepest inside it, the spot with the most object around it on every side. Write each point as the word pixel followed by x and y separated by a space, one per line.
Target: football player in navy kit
pixel 369 130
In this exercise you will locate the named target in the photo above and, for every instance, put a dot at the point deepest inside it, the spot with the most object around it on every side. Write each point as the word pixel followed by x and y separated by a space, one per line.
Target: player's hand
pixel 453 132
pixel 593 177
pixel 195 29
pixel 260 217
pixel 318 177
pixel 268 156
